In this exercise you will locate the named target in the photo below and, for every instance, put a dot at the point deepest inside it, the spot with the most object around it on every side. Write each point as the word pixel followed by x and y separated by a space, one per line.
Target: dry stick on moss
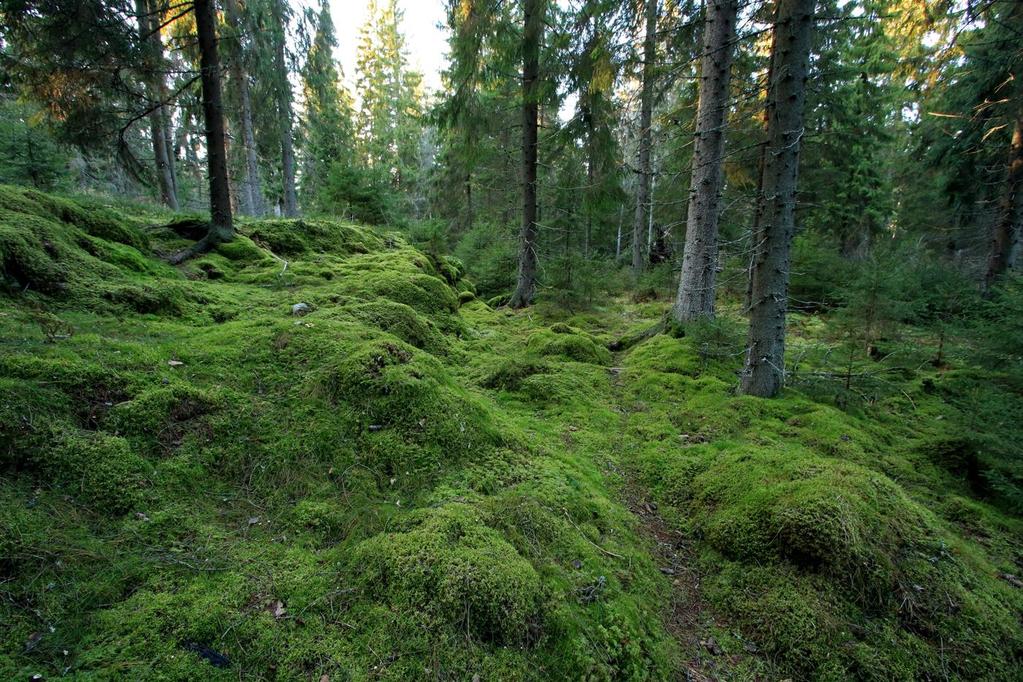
pixel 627 342
pixel 272 255
pixel 605 551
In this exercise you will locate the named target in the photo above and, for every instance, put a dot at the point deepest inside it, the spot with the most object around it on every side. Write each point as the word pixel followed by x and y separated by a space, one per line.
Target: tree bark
pixel 764 373
pixel 645 135
pixel 252 188
pixel 286 115
pixel 149 32
pixel 1006 235
pixel 695 299
pixel 221 226
pixel 532 35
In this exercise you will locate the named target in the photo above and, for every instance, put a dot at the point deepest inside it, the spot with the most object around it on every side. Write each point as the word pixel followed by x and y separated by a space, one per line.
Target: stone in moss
pixel 466 297
pixel 452 570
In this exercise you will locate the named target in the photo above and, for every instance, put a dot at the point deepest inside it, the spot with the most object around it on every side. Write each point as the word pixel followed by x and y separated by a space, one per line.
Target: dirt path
pixel 686 615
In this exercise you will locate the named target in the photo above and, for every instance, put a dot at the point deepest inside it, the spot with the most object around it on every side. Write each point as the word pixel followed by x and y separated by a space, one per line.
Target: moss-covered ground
pixel 395 481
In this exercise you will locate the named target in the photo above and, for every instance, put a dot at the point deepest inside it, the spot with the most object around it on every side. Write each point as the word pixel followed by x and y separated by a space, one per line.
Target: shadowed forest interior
pixel 644 340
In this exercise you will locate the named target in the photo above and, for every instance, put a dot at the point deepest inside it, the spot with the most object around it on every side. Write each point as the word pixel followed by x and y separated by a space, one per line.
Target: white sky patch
pixel 423 26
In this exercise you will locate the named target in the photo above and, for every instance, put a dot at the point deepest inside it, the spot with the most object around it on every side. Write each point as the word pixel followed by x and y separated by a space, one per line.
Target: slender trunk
pixel 168 137
pixel 221 227
pixel 286 115
pixel 525 288
pixel 1006 235
pixel 696 285
pixel 756 238
pixel 591 181
pixel 469 218
pixel 645 135
pixel 618 241
pixel 149 22
pixel 764 372
pixel 252 186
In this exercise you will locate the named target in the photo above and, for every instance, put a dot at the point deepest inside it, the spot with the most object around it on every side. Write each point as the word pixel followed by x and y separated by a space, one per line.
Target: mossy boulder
pixel 291 238
pixel 158 418
pixel 511 372
pixel 447 568
pixel 402 321
pixel 97 469
pixel 413 418
pixel 570 343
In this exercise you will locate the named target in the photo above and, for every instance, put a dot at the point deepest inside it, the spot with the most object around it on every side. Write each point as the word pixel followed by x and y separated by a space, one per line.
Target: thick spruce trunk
pixel 764 373
pixel 1006 234
pixel 221 225
pixel 646 108
pixel 525 288
pixel 695 299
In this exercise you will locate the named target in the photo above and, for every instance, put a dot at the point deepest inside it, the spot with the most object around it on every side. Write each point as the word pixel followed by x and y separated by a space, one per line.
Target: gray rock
pixel 300 309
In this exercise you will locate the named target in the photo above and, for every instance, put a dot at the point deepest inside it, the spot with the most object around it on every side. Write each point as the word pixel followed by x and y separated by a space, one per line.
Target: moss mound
pixel 402 321
pixel 412 416
pixel 571 343
pixel 450 570
pixel 826 562
pixel 99 470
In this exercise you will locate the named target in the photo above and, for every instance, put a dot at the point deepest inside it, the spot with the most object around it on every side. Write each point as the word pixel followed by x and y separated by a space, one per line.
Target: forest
pixel 646 340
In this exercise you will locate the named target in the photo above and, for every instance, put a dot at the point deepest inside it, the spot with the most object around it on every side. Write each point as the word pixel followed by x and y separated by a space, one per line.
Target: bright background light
pixel 425 39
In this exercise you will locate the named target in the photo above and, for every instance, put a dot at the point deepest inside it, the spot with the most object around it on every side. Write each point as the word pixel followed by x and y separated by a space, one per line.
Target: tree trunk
pixel 764 372
pixel 469 217
pixel 1006 235
pixel 221 226
pixel 286 115
pixel 645 135
pixel 525 288
pixel 695 299
pixel 149 32
pixel 252 188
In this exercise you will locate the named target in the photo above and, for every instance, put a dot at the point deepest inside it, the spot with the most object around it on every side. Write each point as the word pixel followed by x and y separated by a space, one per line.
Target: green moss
pixel 412 417
pixel 402 321
pixel 425 293
pixel 451 570
pixel 290 238
pixel 158 419
pixel 165 299
pixel 510 373
pixel 569 343
pixel 94 468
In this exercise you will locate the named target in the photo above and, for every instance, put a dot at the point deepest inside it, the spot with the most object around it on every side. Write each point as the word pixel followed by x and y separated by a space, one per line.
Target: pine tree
pixel 280 16
pixel 150 18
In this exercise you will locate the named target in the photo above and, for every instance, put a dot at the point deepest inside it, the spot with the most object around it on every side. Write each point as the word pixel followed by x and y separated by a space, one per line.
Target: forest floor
pixel 199 479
